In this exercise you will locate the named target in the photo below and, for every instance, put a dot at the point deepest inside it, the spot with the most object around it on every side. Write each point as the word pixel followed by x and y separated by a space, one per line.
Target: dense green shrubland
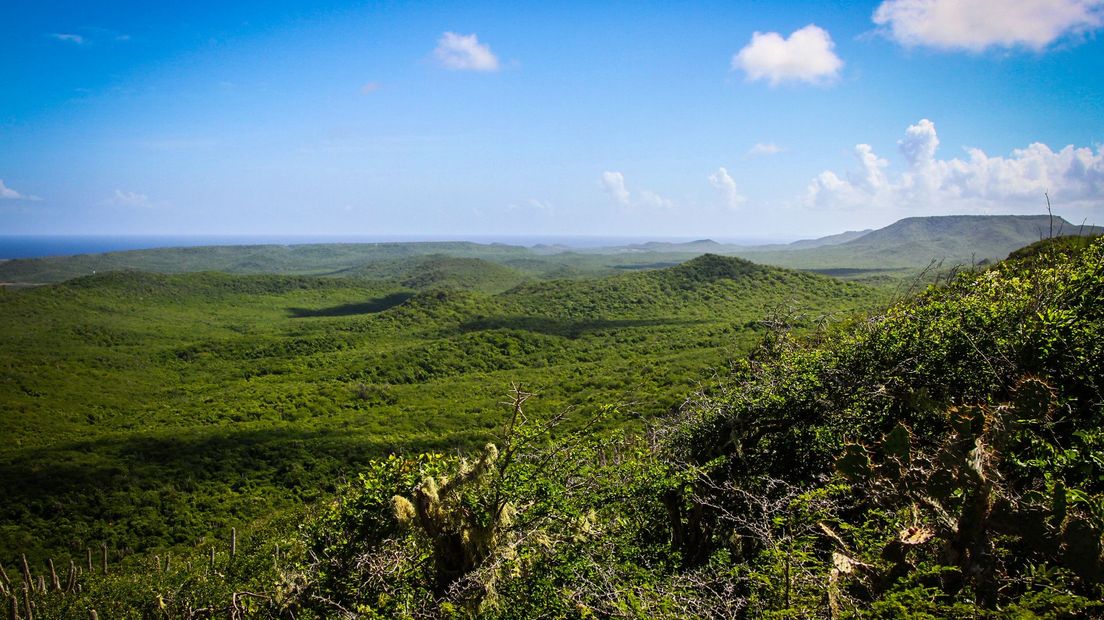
pixel 943 458
pixel 145 410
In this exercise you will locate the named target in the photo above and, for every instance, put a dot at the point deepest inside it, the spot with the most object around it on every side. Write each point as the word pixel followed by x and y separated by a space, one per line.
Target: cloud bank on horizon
pixel 386 127
pixel 1072 176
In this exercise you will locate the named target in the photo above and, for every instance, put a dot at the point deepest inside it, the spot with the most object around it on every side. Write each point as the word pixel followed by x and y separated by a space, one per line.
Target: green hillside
pixel 149 410
pixel 916 241
pixel 306 259
pixel 836 239
pixel 440 270
pixel 940 458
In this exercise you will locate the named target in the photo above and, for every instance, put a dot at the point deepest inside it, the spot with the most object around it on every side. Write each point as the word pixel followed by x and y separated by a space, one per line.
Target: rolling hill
pixel 167 406
pixel 916 241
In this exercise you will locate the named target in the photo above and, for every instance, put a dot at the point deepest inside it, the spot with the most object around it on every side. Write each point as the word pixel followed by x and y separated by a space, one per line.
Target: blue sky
pixel 727 120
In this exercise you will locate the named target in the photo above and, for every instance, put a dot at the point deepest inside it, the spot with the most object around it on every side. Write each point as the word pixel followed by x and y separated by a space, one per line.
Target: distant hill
pixel 842 237
pixel 705 287
pixel 987 236
pixel 306 259
pixel 898 250
pixel 699 246
pixel 914 242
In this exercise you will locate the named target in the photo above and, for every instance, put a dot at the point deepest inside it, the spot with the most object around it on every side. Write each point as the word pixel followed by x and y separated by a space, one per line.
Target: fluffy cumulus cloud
pixel 976 25
pixel 724 184
pixel 461 52
pixel 807 55
pixel 613 183
pixel 979 182
pixel 7 193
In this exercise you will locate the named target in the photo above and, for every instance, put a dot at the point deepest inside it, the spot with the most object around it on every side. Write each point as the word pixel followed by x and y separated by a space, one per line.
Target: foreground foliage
pixel 943 459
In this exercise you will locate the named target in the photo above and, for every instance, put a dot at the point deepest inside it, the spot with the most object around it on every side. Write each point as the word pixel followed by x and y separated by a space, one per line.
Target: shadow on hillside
pixel 368 307
pixel 643 266
pixel 566 328
pixel 144 491
pixel 849 272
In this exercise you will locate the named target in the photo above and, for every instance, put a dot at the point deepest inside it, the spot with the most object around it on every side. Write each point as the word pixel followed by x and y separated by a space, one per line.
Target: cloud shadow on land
pixel 369 307
pixel 567 328
pixel 147 491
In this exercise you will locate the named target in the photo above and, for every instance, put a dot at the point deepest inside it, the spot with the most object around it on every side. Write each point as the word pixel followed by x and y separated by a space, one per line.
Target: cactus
pixel 1081 549
pixel 71 580
pixel 854 463
pixel 27 578
pixel 55 583
pixel 27 600
pixel 462 535
pixel 960 482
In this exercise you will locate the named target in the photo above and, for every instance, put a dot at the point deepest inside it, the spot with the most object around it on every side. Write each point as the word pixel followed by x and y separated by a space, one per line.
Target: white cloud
pixel 1073 176
pixel 465 53
pixel 369 88
pixel 614 184
pixel 129 199
pixel 975 25
pixel 764 149
pixel 67 37
pixel 724 184
pixel 7 193
pixel 805 56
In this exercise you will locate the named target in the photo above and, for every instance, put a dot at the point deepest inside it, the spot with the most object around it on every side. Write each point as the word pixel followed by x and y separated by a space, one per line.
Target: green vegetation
pixel 943 457
pixel 147 410
pixel 906 244
pixel 439 270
